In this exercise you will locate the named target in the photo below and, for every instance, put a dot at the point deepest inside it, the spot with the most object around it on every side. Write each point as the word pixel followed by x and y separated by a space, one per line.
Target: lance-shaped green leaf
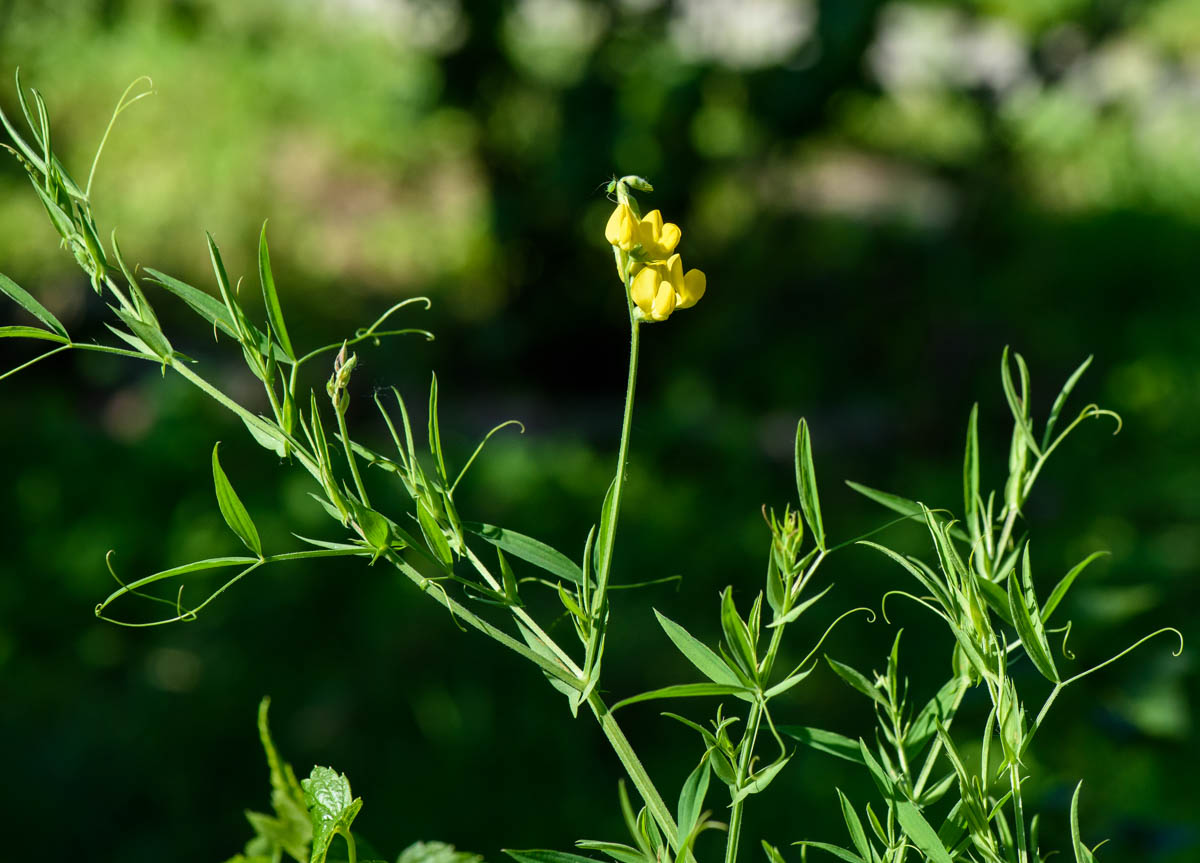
pixel 939 709
pixel 1061 400
pixel 836 850
pixel 857 680
pixel 270 297
pixel 331 807
pixel 760 780
pixel 829 742
pixel 616 850
pixel 18 332
pixel 232 510
pixel 1022 604
pixel 691 797
pixel 921 833
pixel 543 856
pixel 806 484
pixel 899 504
pixel 686 690
pixel 150 334
pixel 971 475
pixel 709 664
pixel 857 835
pixel 737 634
pixel 434 535
pixel 527 549
pixel 1082 854
pixel 1060 589
pixel 25 300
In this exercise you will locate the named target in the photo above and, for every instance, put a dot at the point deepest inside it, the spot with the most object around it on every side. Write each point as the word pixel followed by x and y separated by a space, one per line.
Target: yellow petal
pixel 645 287
pixel 651 226
pixel 620 228
pixel 694 285
pixel 664 302
pixel 674 273
pixel 669 238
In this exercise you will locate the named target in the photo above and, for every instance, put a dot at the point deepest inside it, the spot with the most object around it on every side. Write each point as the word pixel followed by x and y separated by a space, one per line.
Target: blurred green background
pixel 882 196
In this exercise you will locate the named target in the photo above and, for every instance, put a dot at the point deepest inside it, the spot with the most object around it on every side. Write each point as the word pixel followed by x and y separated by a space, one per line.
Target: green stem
pixel 1018 814
pixel 461 612
pixel 350 460
pixel 735 819
pixel 610 536
pixel 350 849
pixel 633 766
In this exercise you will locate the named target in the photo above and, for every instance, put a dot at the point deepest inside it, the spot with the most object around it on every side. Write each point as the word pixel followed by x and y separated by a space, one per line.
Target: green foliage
pixel 978 582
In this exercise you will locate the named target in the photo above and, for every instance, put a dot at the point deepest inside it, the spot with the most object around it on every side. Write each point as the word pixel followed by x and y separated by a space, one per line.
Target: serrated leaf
pixel 331 807
pixel 829 742
pixel 1023 605
pixel 527 549
pixel 270 297
pixel 232 510
pixel 709 664
pixel 806 484
pixel 26 301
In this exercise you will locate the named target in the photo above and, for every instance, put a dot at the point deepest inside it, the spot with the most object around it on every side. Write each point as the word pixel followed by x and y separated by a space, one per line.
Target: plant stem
pixel 350 460
pixel 610 536
pixel 743 769
pixel 633 766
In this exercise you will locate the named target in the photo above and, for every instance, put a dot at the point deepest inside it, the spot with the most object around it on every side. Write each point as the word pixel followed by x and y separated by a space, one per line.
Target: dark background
pixel 882 196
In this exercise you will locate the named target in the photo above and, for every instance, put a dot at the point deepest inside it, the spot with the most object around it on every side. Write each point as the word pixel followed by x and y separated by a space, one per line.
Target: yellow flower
pixel 658 240
pixel 625 231
pixel 621 230
pixel 662 287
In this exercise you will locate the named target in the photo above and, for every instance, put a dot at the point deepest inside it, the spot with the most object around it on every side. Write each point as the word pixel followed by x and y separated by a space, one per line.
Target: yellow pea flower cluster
pixel 659 284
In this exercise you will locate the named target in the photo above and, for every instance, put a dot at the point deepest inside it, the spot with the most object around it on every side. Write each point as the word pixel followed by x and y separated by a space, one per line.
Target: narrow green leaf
pixel 267 435
pixel 687 690
pixel 542 856
pixel 923 836
pixel 1019 406
pixel 270 297
pixel 32 333
pixel 528 549
pixel 1082 854
pixel 691 797
pixel 835 850
pixel 434 535
pixel 788 682
pixel 26 301
pixel 150 335
pixel 1023 604
pixel 737 635
pixel 601 551
pixel 829 742
pixel 857 835
pixel 330 806
pixel 799 609
pixel 1060 589
pixel 617 851
pixel 1061 400
pixel 760 780
pixel 709 664
pixel 902 505
pixel 857 680
pixel 806 484
pixel 375 528
pixel 232 510
pixel 883 782
pixel 971 476
pixel 939 709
